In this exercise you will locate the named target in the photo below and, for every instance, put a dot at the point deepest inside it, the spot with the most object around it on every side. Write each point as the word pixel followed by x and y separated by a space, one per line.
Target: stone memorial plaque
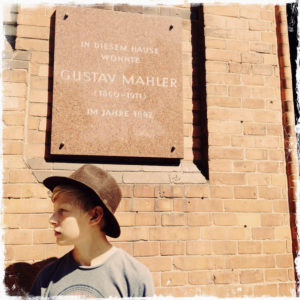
pixel 117 88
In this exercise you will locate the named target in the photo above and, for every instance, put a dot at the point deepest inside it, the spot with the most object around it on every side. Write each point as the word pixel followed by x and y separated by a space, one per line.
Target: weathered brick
pixel 13 147
pixel 228 179
pixel 156 264
pixel 198 219
pixel 265 290
pixel 26 252
pixel 219 233
pixel 13 133
pixel 190 263
pixel 32 44
pixel 14 75
pixel 245 192
pixel 173 278
pixel 172 248
pixel 263 233
pixel 173 233
pixel 36 32
pixel 249 247
pixel 14 89
pixel 284 260
pixel 173 219
pixel 198 247
pixel 224 192
pixel 224 247
pixel 146 219
pixel 125 219
pixel 270 247
pixel 244 166
pixel 276 275
pixel 247 206
pixel 144 191
pixel 18 237
pixel 13 118
pixel 170 191
pixel 199 277
pixel 146 204
pixel 225 277
pixel 146 249
pixel 251 276
pixel 253 261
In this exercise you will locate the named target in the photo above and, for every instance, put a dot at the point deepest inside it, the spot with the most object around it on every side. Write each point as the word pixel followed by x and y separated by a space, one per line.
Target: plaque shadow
pixel 200 136
pixel 200 131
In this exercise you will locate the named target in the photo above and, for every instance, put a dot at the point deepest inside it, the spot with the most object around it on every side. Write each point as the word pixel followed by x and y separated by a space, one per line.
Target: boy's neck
pixel 90 254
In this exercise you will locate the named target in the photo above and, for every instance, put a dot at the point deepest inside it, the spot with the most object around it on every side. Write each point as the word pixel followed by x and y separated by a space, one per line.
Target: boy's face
pixel 70 221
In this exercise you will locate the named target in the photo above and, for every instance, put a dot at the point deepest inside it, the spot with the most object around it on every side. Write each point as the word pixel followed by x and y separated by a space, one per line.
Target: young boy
pixel 84 207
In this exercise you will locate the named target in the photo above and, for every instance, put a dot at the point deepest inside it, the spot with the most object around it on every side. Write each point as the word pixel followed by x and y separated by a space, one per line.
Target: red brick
pixel 198 247
pixel 173 278
pixel 146 249
pixel 251 276
pixel 172 248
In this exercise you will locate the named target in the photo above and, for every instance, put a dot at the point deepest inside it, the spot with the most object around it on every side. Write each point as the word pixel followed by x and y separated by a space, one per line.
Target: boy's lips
pixel 56 233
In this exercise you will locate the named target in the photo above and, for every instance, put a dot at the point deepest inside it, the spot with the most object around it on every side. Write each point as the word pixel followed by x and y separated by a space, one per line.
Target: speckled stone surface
pixel 117 88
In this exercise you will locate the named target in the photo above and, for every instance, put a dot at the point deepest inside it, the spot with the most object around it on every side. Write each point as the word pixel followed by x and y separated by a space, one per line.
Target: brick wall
pixel 226 233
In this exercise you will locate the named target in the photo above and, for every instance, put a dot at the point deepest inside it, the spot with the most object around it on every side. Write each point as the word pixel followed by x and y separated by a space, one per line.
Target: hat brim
pixel 112 228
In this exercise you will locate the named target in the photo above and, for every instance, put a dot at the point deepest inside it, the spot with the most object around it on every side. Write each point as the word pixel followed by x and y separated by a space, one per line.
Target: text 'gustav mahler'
pixel 107 78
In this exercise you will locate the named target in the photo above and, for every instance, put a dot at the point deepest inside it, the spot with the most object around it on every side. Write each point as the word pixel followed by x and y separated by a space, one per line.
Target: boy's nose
pixel 53 219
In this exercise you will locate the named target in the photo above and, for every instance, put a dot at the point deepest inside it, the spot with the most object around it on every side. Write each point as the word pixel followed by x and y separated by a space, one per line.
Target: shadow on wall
pixel 200 132
pixel 19 277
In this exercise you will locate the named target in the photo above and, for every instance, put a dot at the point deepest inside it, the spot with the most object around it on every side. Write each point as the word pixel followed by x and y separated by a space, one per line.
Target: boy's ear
pixel 96 215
